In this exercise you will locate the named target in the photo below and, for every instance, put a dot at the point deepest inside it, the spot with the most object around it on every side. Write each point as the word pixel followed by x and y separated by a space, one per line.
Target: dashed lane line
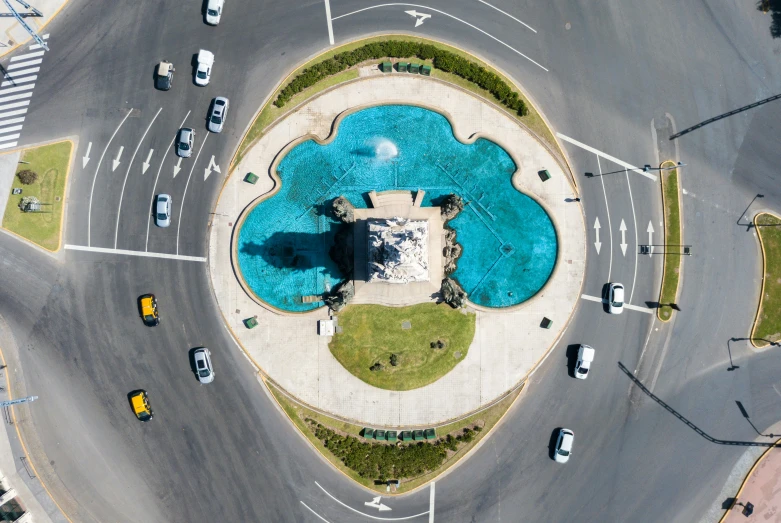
pixel 143 254
pixel 606 156
pixel 186 185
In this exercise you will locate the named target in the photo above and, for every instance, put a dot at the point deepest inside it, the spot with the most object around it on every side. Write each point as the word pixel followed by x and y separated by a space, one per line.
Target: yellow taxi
pixel 139 400
pixel 148 306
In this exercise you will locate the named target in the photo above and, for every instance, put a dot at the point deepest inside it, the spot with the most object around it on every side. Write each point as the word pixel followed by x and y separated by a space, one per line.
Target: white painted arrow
pixel 178 167
pixel 212 166
pixel 622 228
pixel 650 231
pixel 116 162
pixel 377 504
pixel 597 244
pixel 419 17
pixel 145 165
pixel 85 158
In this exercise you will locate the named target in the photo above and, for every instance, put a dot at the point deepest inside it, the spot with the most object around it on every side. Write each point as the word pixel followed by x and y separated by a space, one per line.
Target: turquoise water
pixel 509 243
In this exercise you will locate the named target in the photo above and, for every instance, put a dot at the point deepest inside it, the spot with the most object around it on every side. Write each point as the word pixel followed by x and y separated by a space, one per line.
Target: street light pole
pixel 647 167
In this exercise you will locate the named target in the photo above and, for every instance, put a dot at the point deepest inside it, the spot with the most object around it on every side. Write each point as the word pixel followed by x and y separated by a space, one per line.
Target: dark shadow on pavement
pixel 744 413
pixel 554 437
pixel 725 115
pixel 750 224
pixel 572 357
pixel 691 425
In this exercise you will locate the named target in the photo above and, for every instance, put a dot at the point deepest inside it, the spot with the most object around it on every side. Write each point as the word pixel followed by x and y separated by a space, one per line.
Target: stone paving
pixel 508 344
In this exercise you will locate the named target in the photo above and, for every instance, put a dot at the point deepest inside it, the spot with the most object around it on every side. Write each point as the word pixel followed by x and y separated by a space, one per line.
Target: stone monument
pixel 397 250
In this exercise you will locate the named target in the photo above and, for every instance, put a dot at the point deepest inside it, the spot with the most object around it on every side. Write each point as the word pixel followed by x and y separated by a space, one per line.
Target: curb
pixel 680 224
pixel 745 480
pixel 764 269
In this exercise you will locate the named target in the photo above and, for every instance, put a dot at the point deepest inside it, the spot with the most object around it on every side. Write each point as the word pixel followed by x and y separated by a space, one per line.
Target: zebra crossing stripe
pixel 24 64
pixel 8 145
pixel 10 130
pixel 12 113
pixel 19 80
pixel 23 103
pixel 15 97
pixel 27 56
pixel 12 121
pixel 16 89
pixel 9 76
pixel 9 137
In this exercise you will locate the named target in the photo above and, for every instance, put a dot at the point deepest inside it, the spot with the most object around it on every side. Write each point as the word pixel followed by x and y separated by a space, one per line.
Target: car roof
pixel 567 439
pixel 163 68
pixel 618 290
pixel 163 196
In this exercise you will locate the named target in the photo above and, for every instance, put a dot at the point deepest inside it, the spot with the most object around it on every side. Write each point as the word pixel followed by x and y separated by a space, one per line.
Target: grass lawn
pixel 767 328
pixel 271 113
pixel 672 237
pixel 371 333
pixel 485 419
pixel 51 162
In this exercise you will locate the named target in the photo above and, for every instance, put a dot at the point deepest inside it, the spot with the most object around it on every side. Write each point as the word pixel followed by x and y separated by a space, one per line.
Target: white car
pixel 564 446
pixel 203 72
pixel 585 357
pixel 217 114
pixel 163 210
pixel 184 142
pixel 203 365
pixel 214 11
pixel 615 298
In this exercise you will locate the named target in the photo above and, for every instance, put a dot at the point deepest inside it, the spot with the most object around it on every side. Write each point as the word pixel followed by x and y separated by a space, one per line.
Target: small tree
pixel 27 177
pixel 377 366
pixel 394 360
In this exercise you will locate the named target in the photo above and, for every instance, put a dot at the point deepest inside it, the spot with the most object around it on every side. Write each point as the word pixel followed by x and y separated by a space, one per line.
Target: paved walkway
pixel 13 34
pixel 762 489
pixel 507 345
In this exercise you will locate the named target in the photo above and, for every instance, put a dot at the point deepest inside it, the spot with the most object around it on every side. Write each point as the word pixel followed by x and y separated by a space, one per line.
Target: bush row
pixel 382 461
pixel 443 60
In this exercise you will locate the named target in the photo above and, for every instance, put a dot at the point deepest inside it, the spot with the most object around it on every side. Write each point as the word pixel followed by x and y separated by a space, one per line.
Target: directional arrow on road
pixel 377 504
pixel 145 165
pixel 597 244
pixel 85 158
pixel 622 228
pixel 178 167
pixel 212 167
pixel 419 17
pixel 650 231
pixel 115 164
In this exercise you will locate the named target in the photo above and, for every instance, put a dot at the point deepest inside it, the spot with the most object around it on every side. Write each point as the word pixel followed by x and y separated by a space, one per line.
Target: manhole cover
pixel 457 354
pixel 406 325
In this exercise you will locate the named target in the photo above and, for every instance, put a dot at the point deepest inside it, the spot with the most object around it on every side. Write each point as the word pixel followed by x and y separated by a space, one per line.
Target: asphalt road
pixel 224 451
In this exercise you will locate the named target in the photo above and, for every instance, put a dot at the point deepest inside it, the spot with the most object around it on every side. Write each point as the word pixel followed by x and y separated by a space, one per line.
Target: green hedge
pixel 443 60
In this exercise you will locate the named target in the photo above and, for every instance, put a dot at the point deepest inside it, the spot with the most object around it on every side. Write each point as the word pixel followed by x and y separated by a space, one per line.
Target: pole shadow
pixel 750 224
pixel 725 115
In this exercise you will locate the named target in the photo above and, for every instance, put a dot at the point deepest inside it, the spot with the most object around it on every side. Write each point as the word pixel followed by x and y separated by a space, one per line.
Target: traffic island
pixel 412 461
pixel 37 198
pixel 767 325
pixel 672 240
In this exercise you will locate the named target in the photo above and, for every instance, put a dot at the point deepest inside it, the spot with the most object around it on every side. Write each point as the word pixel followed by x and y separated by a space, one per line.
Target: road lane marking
pixel 27 56
pixel 626 305
pixel 24 64
pixel 637 242
pixel 122 194
pixel 489 35
pixel 12 120
pixel 23 103
pixel 94 179
pixel 13 113
pixel 22 72
pixel 307 506
pixel 11 129
pixel 142 254
pixel 186 185
pixel 19 80
pixel 9 137
pixel 15 97
pixel 431 505
pixel 7 145
pixel 508 15
pixel 154 187
pixel 330 22
pixel 609 226
pixel 368 515
pixel 16 89
pixel 606 156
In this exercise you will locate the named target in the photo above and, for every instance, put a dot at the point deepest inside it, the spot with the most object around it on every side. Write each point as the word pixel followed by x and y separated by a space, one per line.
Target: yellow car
pixel 139 400
pixel 148 307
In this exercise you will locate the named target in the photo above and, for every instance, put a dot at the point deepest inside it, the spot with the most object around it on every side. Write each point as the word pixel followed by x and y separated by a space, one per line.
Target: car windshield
pixel 618 303
pixel 144 416
pixel 184 146
pixel 582 370
pixel 202 74
pixel 216 119
pixel 212 12
pixel 149 317
pixel 203 373
pixel 564 452
pixel 161 216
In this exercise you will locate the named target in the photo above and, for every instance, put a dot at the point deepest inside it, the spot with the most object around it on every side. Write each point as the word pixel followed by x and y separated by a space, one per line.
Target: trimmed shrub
pixel 394 360
pixel 27 177
pixel 376 367
pixel 443 60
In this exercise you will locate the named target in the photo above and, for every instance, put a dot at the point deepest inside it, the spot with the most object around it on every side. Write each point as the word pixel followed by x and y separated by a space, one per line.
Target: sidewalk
pixel 13 34
pixel 507 345
pixel 762 489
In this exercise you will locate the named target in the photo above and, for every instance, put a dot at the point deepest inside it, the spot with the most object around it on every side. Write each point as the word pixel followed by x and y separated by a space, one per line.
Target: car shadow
pixel 191 357
pixel 605 296
pixel 554 437
pixel 572 358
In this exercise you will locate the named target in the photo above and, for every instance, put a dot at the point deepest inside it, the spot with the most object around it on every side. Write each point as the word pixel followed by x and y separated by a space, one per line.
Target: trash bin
pixel 430 433
pixel 251 323
pixel 401 67
pixel 425 70
pixel 546 323
pixel 417 435
pixel 391 435
pixel 414 68
pixel 368 433
pixel 251 178
pixel 386 67
pixel 544 175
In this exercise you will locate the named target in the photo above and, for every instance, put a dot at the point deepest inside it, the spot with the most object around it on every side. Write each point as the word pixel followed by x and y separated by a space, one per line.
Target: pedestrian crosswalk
pixel 16 90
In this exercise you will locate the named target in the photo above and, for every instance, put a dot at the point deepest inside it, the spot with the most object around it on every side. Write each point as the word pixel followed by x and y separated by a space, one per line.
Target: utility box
pixel 544 175
pixel 546 323
pixel 251 178
pixel 251 323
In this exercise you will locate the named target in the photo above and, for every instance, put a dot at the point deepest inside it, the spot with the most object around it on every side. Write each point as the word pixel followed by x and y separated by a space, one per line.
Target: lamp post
pixel 647 167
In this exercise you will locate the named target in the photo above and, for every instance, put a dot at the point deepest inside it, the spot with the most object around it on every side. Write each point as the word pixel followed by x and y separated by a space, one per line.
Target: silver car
pixel 184 142
pixel 163 210
pixel 217 114
pixel 203 365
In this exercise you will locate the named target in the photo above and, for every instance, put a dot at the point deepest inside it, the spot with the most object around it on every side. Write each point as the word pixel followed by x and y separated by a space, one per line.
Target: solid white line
pixel 12 120
pixel 20 80
pixel 307 506
pixel 34 47
pixel 9 137
pixel 637 244
pixel 592 298
pixel 24 64
pixel 154 187
pixel 7 145
pixel 135 253
pixel 181 205
pixel 431 505
pixel 15 112
pixel 23 103
pixel 368 515
pixel 330 23
pixel 15 97
pixel 606 156
pixel 27 56
pixel 122 194
pixel 507 14
pixel 94 178
pixel 21 72
pixel 609 226
pixel 11 129
pixel 16 89
pixel 492 37
pixel 626 305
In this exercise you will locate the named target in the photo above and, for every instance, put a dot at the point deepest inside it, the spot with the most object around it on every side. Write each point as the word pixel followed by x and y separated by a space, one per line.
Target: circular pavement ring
pixel 508 345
